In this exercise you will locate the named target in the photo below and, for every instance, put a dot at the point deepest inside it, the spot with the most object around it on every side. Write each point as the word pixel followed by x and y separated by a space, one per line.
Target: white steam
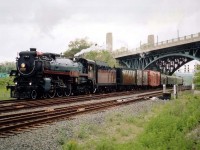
pixel 92 48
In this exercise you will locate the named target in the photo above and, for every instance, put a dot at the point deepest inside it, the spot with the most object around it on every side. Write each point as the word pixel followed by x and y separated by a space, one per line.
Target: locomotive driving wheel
pixel 68 90
pixel 52 92
pixel 34 94
pixel 59 92
pixel 44 95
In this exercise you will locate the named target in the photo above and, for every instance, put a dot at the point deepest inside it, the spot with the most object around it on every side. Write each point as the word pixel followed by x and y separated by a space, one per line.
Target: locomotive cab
pixel 87 77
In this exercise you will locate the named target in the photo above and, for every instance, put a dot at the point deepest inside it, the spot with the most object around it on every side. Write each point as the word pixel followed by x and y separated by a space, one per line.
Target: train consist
pixel 49 75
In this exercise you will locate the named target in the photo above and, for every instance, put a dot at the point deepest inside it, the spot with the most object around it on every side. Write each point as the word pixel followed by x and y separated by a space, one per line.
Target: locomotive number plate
pixel 22 69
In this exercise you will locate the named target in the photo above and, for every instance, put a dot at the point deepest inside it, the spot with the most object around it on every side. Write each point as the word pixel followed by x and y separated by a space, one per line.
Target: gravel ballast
pixel 50 136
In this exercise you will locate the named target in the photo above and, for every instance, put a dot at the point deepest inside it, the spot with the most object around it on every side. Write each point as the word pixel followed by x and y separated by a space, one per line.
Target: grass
pixel 4 93
pixel 169 129
pixel 175 125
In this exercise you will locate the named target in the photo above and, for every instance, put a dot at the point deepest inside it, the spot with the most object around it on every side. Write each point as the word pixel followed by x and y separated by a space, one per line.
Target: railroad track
pixel 15 105
pixel 11 124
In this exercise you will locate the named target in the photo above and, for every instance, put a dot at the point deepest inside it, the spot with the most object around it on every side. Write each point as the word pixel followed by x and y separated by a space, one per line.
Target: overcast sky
pixel 49 25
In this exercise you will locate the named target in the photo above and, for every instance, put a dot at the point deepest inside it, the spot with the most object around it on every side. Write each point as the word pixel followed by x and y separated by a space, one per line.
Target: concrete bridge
pixel 166 56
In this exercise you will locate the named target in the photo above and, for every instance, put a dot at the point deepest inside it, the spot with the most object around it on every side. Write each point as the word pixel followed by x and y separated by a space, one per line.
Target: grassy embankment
pixel 4 93
pixel 175 125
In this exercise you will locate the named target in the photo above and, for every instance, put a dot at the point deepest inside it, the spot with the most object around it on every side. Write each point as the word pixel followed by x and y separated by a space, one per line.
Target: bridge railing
pixel 163 44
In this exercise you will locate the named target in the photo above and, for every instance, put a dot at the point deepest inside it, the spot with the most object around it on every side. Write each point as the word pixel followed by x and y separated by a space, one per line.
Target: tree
pixel 6 67
pixel 102 55
pixel 76 46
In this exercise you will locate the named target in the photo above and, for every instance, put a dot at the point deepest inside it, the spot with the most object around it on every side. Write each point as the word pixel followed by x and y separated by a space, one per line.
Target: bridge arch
pixel 169 63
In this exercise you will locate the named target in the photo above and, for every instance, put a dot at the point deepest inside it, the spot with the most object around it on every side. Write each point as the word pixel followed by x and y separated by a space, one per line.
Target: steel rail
pixel 11 124
pixel 8 107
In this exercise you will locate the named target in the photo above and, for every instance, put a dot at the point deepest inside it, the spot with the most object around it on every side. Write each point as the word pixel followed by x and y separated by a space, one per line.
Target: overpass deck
pixel 157 46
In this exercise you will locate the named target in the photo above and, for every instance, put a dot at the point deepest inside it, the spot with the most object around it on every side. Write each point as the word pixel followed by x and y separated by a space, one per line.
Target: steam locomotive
pixel 48 75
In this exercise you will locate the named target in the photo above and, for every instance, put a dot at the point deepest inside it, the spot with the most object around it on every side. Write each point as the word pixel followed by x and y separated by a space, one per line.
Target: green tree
pixel 102 55
pixel 6 67
pixel 76 46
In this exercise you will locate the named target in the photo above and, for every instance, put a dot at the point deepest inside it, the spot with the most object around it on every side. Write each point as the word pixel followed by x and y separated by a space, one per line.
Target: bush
pixel 169 129
pixel 5 81
pixel 4 93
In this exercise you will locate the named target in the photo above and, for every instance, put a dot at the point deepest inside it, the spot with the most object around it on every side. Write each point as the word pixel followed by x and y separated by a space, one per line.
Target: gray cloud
pixel 50 24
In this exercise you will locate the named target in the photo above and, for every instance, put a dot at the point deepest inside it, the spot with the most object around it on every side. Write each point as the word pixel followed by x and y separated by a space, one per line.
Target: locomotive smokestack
pixel 33 49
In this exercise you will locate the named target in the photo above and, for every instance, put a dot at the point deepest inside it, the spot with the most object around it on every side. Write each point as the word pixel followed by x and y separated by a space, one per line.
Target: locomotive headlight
pixel 15 83
pixel 30 83
pixel 23 65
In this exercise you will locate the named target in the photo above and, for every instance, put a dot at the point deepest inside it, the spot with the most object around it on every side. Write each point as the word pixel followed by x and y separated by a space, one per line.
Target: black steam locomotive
pixel 48 75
